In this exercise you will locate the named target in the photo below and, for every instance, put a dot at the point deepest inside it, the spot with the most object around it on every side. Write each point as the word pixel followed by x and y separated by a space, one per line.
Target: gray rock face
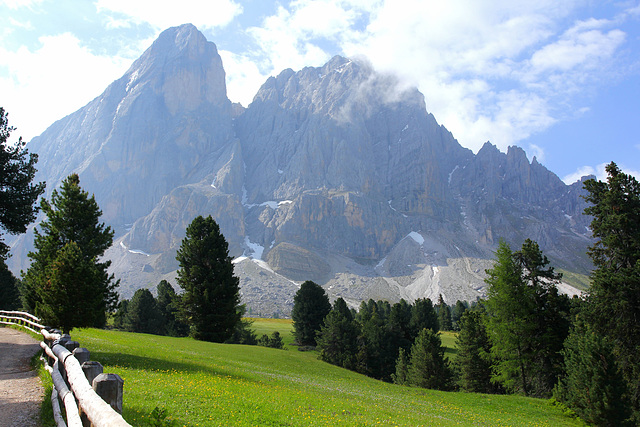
pixel 150 131
pixel 332 174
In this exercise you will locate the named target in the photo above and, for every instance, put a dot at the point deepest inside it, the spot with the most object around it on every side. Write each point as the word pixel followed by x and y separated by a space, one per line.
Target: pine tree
pixel 613 303
pixel 144 315
pixel 527 320
pixel 211 299
pixel 457 312
pixel 399 325
pixel 372 359
pixel 550 317
pixel 428 367
pixel 473 360
pixel 273 341
pixel 169 303
pixel 337 339
pixel 310 306
pixel 72 217
pixel 71 293
pixel 402 369
pixel 592 385
pixel 18 195
pixel 120 314
pixel 423 316
pixel 444 315
pixel 9 291
pixel 509 323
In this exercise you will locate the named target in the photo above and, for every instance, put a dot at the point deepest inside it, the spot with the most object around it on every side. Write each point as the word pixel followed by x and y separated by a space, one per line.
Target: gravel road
pixel 20 389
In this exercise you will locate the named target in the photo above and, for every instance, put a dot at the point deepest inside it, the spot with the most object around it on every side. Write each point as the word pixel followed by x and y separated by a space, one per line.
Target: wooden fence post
pixel 110 388
pixel 82 354
pixel 91 370
pixel 71 345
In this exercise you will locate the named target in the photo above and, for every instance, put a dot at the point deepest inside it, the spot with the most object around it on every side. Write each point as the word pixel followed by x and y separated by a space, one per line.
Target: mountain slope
pixel 333 174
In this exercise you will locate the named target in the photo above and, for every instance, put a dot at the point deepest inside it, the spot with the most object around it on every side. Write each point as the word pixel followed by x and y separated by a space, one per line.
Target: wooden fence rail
pixel 70 369
pixel 21 318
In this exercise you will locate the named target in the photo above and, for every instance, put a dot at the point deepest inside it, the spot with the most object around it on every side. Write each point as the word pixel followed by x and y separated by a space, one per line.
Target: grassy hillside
pixel 205 384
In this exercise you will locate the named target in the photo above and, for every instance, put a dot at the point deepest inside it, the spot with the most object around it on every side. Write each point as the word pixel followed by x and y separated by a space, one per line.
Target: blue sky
pixel 560 79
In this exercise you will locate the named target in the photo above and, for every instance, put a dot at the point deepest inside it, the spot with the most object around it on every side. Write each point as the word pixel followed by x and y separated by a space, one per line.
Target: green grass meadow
pixel 206 384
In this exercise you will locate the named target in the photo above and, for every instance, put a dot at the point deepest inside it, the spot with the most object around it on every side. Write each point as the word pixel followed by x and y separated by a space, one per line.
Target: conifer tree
pixel 428 367
pixel 613 303
pixel 273 341
pixel 399 325
pixel 71 238
pixel 144 315
pixel 444 315
pixel 509 323
pixel 457 312
pixel 9 291
pixel 527 320
pixel 120 314
pixel 211 299
pixel 337 339
pixel 473 360
pixel 550 316
pixel 370 342
pixel 310 306
pixel 423 316
pixel 592 385
pixel 18 195
pixel 169 303
pixel 401 375
pixel 71 293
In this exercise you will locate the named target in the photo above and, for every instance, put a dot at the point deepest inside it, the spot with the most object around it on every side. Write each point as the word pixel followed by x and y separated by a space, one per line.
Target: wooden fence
pixel 89 397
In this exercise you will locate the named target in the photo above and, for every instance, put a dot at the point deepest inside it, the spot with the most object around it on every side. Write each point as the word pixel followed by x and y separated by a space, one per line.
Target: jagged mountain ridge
pixel 332 174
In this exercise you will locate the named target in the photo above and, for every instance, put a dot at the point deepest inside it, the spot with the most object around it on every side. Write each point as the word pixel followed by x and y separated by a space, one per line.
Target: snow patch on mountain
pixel 133 251
pixel 416 237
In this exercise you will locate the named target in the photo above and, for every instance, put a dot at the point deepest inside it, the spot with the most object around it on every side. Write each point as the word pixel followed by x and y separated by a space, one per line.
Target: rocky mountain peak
pixel 183 65
pixel 336 174
pixel 149 130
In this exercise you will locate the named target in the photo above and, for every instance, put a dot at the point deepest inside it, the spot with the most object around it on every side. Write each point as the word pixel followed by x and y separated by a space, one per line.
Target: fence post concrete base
pixel 110 388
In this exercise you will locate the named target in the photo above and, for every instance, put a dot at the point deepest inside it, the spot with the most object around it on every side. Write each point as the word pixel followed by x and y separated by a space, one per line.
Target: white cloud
pixel 294 36
pixel 163 14
pixel 599 171
pixel 46 84
pixel 114 24
pixel 579 173
pixel 577 48
pixel 243 77
pixel 499 71
pixel 19 24
pixel 16 4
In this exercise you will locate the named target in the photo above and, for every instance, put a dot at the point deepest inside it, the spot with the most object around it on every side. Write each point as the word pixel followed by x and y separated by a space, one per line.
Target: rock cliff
pixel 334 174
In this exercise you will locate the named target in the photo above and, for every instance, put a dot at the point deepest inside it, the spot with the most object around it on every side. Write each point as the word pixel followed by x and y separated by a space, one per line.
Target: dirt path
pixel 20 390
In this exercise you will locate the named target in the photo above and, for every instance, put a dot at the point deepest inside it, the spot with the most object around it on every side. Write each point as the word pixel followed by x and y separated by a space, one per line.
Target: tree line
pixel 375 338
pixel 525 337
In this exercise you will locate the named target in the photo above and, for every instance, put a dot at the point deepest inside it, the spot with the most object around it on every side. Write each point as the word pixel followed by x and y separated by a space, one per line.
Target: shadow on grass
pixel 151 364
pixel 140 417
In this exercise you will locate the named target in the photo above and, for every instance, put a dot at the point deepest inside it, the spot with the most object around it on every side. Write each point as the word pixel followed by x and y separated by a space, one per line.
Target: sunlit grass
pixel 205 384
pixel 449 342
pixel 269 326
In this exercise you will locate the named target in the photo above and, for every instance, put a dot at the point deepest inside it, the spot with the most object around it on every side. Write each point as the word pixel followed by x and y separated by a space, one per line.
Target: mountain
pixel 334 174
